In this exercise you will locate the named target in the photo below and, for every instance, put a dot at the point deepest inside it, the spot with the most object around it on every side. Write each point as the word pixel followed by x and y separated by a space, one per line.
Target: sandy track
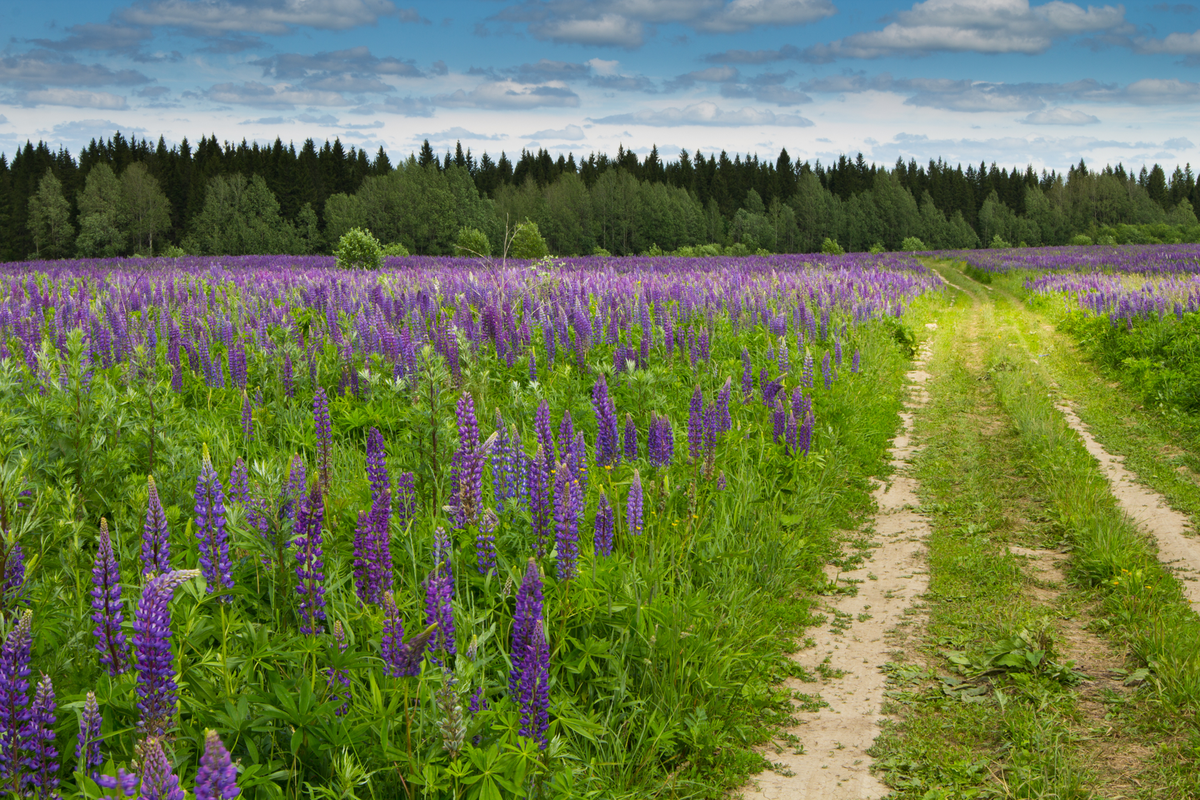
pixel 834 764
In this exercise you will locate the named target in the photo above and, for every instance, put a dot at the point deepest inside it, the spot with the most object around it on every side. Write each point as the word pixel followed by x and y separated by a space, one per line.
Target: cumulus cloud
pixel 1018 149
pixel 571 133
pixel 723 74
pixel 606 30
pixel 742 15
pixel 1059 116
pixel 82 131
pixel 1175 44
pixel 268 17
pixel 456 134
pixel 404 106
pixel 509 95
pixel 706 113
pixel 99 36
pixel 355 61
pixel 39 69
pixel 779 95
pixel 75 98
pixel 282 95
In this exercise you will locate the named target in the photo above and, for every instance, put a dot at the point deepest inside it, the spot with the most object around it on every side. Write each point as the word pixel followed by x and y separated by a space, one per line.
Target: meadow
pixel 446 529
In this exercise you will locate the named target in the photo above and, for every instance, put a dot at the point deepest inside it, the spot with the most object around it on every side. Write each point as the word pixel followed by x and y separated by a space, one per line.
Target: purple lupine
pixel 530 677
pixel 747 376
pixel 566 523
pixel 289 379
pixel 14 698
pixel 12 587
pixel 806 375
pixel 485 542
pixel 790 433
pixel 125 783
pixel 804 434
pixel 297 487
pixel 158 780
pixel 337 681
pixel 87 750
pixel 724 421
pixel 217 777
pixel 695 429
pixel 545 437
pixel 798 402
pixel 406 498
pixel 578 461
pixel 634 517
pixel 533 373
pixel 778 420
pixel 540 510
pixel 837 350
pixel 662 450
pixel 247 418
pixel 781 355
pixel 439 593
pixel 310 573
pixel 210 529
pixel 467 466
pixel 41 757
pixel 855 361
pixel 721 481
pixel 827 371
pixel 156 548
pixel 606 424
pixel 107 609
pixel 239 482
pixel 156 687
pixel 401 659
pixel 630 443
pixel 602 535
pixel 324 428
pixel 378 540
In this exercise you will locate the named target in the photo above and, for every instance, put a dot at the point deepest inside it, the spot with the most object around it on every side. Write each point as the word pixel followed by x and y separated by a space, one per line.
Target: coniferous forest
pixel 122 197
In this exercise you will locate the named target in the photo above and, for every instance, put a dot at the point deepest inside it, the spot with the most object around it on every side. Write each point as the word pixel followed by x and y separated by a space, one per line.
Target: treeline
pixel 122 196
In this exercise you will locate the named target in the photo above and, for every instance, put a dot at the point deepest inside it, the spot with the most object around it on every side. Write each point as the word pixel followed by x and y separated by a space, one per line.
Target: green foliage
pixel 999 243
pixel 394 250
pixel 527 242
pixel 830 247
pixel 1080 240
pixel 600 251
pixel 241 217
pixel 912 244
pixel 145 208
pixel 876 248
pixel 50 219
pixel 358 249
pixel 472 243
pixel 101 229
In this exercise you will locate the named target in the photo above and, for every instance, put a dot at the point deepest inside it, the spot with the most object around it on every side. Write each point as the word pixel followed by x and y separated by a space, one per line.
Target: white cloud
pixel 509 95
pixel 571 133
pixel 1176 44
pixel 40 68
pixel 456 134
pixel 741 15
pixel 1059 116
pixel 72 97
pixel 602 67
pixel 274 17
pixel 282 95
pixel 611 30
pixel 706 113
pixel 980 26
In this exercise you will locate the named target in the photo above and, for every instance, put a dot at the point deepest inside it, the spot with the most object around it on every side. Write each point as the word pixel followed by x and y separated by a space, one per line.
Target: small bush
pixel 394 250
pixel 737 249
pixel 600 251
pixel 1000 244
pixel 830 247
pixel 174 251
pixel 528 243
pixel 911 244
pixel 1081 240
pixel 472 243
pixel 358 249
pixel 1108 241
pixel 876 249
pixel 654 250
pixel 687 251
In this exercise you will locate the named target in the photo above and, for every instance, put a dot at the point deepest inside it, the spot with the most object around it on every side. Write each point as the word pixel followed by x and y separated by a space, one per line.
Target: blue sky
pixel 1018 82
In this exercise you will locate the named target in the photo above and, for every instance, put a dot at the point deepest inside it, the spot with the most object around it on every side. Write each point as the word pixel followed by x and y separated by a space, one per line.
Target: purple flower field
pixel 469 530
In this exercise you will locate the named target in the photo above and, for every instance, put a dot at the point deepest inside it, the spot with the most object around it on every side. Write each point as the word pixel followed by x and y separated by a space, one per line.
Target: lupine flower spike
pixel 310 572
pixel 529 681
pixel 634 505
pixel 439 592
pixel 156 687
pixel 158 780
pixel 217 777
pixel 210 528
pixel 42 758
pixel 14 696
pixel 107 609
pixel 156 549
pixel 87 751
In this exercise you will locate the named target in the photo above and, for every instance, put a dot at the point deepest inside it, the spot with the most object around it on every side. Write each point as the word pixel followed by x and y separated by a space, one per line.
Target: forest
pixel 121 197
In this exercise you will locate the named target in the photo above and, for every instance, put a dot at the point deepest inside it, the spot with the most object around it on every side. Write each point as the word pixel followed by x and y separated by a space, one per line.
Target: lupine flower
pixel 533 373
pixel 297 488
pixel 377 544
pixel 485 542
pixel 126 784
pixel 721 481
pixel 239 482
pixel 540 510
pixel 530 679
pixel 577 460
pixel 210 529
pixel 566 523
pixel 661 448
pixel 217 777
pixel 781 355
pixel 156 687
pixel 87 751
pixel 724 421
pixel 710 439
pixel 289 380
pixel 606 423
pixel 837 351
pixel 156 549
pixel 545 437
pixel 633 506
pixel 630 443
pixel 603 531
pixel 401 659
pixel 747 376
pixel 14 696
pixel 806 375
pixel 855 361
pixel 406 498
pixel 451 724
pixel 804 434
pixel 158 780
pixel 337 681
pixel 362 585
pixel 790 433
pixel 41 755
pixel 12 588
pixel 107 609
pixel 324 437
pixel 778 420
pixel 439 592
pixel 827 371
pixel 247 418
pixel 310 573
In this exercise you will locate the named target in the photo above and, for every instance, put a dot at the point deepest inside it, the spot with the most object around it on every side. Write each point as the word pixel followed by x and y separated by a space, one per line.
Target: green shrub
pixel 737 249
pixel 394 250
pixel 876 249
pixel 472 242
pixel 528 243
pixel 600 251
pixel 687 251
pixel 1081 239
pixel 1108 241
pixel 358 249
pixel 911 244
pixel 174 251
pixel 1000 244
pixel 830 247
pixel 654 250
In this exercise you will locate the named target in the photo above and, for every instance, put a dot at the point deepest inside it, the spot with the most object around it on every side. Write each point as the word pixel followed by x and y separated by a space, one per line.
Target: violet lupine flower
pixel 107 609
pixel 806 375
pixel 602 534
pixel 158 780
pixel 634 506
pixel 798 402
pixel 545 437
pixel 578 461
pixel 804 434
pixel 247 418
pixel 362 584
pixel 337 681
pixel 239 482
pixel 747 376
pixel 401 659
pixel 721 481
pixel 790 433
pixel 529 681
pixel 126 784
pixel 377 473
pixel 87 751
pixel 13 587
pixel 217 777
pixel 606 424
pixel 210 529
pixel 567 504
pixel 855 361
pixel 661 449
pixel 837 350
pixel 827 371
pixel 289 379
pixel 566 433
pixel 778 420
pixel 41 757
pixel 781 355
pixel 310 574
pixel 695 429
pixel 439 592
pixel 406 498
pixel 156 687
pixel 540 510
pixel 724 421
pixel 324 429
pixel 485 542
pixel 14 696
pixel 296 489
pixel 156 549
pixel 630 442
pixel 377 541
pixel 533 373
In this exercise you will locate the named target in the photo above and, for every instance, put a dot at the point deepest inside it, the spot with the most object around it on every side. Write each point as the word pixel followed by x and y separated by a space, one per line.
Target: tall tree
pixel 146 210
pixel 101 219
pixel 50 219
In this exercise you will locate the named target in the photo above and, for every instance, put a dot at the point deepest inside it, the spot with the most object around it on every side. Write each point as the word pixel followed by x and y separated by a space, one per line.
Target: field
pixel 602 527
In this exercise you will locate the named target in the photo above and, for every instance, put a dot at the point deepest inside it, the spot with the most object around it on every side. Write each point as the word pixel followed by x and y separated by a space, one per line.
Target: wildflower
pixel 485 542
pixel 210 528
pixel 439 592
pixel 310 573
pixel 724 421
pixel 42 756
pixel 217 777
pixel 406 498
pixel 545 437
pixel 566 518
pixel 451 725
pixel 156 549
pixel 603 530
pixel 606 424
pixel 158 780
pixel 247 418
pixel 634 505
pixel 540 510
pixel 530 678
pixel 156 687
pixel 14 695
pixel 855 361
pixel 87 751
pixel 239 481
pixel 401 659
pixel 107 607
pixel 324 429
pixel 630 442
pixel 695 429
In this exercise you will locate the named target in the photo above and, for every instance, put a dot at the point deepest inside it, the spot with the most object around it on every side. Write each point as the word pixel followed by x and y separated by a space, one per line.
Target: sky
pixel 968 81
